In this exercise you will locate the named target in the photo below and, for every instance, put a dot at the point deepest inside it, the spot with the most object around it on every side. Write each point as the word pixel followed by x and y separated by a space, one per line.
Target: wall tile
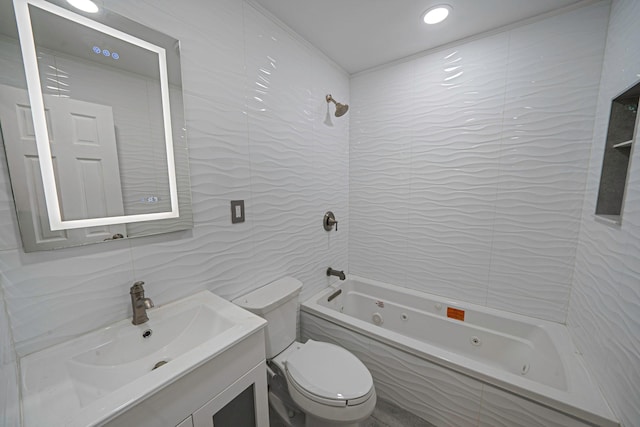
pixel 219 160
pixel 286 114
pixel 454 168
pixel 9 396
pixel 549 109
pixel 9 232
pixel 54 296
pixel 12 75
pixel 379 169
pixel 604 312
pixel 9 389
pixel 215 257
pixel 503 409
pixel 498 133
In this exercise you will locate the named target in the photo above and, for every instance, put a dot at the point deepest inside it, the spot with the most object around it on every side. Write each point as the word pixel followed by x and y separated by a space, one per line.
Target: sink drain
pixel 160 363
pixel 146 334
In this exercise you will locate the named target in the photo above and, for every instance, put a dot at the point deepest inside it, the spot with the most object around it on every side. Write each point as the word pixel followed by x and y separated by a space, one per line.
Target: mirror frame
pixel 27 45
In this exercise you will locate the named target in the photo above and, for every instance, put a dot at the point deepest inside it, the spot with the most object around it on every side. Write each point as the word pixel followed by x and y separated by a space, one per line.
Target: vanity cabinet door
pixel 243 403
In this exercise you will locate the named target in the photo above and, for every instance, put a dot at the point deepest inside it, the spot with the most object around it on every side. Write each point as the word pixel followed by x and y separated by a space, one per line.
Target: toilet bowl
pixel 326 382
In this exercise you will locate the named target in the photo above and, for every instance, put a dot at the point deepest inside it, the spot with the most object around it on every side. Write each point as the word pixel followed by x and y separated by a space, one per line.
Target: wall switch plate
pixel 237 211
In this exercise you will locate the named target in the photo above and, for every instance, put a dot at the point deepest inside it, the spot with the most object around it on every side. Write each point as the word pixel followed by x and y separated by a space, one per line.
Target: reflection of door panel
pixel 85 160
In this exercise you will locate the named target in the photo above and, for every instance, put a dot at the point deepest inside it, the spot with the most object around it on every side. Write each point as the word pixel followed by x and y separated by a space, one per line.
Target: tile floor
pixel 386 414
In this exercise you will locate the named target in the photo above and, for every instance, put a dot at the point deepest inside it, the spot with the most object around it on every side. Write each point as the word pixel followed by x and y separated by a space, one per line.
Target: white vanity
pixel 210 368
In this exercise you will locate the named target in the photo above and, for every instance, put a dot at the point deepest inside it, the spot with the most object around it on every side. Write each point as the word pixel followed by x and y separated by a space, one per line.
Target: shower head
pixel 341 109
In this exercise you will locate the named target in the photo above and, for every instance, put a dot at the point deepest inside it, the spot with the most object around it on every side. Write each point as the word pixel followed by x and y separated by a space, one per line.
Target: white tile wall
pixel 504 409
pixel 604 314
pixel 276 152
pixel 9 238
pixel 9 393
pixel 467 166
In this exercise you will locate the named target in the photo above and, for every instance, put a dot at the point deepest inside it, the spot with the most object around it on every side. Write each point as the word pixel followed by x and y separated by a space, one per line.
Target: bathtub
pixel 457 363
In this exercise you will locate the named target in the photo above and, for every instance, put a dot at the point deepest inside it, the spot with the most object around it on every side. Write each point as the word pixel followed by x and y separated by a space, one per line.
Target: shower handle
pixel 329 221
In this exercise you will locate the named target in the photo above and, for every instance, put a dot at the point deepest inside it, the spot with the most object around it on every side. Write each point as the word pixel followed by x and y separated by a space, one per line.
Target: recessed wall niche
pixel 621 134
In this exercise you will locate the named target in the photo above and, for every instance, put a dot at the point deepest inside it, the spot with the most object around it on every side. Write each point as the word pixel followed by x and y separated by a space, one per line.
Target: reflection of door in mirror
pixel 85 157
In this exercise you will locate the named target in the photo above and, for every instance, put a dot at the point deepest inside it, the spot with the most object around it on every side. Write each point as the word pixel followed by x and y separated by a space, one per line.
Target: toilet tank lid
pixel 266 298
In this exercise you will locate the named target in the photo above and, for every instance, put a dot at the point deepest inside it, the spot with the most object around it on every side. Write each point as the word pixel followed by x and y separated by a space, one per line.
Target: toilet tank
pixel 276 302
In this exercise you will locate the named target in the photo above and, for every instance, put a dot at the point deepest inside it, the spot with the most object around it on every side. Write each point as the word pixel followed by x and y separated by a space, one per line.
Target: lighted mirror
pixel 92 124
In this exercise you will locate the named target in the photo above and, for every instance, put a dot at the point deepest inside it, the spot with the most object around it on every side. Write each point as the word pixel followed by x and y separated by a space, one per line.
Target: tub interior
pixel 516 347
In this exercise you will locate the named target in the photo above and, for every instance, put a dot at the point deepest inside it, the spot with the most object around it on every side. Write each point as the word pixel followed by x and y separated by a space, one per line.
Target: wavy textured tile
pixel 55 296
pixel 208 259
pixel 454 168
pixel 550 102
pixel 604 314
pixel 503 409
pixel 9 396
pixel 9 232
pixel 497 132
pixel 449 241
pixel 312 327
pixel 379 168
pixel 219 160
pixel 9 390
pixel 12 75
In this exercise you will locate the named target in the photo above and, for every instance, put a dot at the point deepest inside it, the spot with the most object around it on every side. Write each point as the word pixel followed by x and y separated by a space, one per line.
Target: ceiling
pixel 361 34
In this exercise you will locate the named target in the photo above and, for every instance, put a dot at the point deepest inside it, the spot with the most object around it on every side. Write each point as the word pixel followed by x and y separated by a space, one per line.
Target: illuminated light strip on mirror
pixel 27 44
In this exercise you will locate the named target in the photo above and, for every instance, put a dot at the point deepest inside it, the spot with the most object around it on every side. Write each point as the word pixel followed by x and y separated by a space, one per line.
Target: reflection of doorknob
pixel 329 221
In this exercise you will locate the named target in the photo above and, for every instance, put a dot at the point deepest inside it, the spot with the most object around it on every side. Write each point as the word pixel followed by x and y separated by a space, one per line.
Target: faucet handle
pixel 329 221
pixel 137 287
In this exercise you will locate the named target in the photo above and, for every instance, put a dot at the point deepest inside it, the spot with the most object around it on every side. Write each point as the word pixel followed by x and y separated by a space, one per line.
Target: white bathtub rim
pixel 592 408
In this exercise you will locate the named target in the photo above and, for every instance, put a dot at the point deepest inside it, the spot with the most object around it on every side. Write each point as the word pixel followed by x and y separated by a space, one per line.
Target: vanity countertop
pixel 91 379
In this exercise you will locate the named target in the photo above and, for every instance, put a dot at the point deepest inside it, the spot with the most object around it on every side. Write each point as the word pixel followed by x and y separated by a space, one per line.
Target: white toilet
pixel 329 384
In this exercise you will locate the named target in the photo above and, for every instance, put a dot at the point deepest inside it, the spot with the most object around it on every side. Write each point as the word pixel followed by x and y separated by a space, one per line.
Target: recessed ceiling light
pixel 84 5
pixel 436 14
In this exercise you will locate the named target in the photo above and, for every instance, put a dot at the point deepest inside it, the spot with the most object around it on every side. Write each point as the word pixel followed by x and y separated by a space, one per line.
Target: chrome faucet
pixel 332 272
pixel 139 303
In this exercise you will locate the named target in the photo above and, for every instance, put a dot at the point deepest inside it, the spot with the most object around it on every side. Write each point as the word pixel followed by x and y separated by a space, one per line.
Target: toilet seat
pixel 329 375
pixel 325 400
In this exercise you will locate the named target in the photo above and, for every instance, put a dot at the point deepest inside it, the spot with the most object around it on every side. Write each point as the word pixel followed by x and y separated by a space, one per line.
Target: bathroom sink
pixel 128 352
pixel 95 377
pixel 168 334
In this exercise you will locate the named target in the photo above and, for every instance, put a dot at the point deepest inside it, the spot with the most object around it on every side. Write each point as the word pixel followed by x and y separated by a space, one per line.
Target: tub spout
pixel 339 273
